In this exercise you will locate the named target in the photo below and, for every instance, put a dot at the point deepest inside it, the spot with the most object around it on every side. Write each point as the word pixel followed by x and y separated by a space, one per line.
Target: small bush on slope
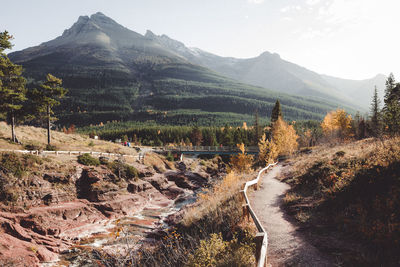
pixel 88 160
pixel 123 170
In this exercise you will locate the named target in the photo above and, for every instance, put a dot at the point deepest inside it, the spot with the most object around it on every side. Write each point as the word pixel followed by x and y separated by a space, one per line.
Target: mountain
pixel 359 91
pixel 271 71
pixel 113 73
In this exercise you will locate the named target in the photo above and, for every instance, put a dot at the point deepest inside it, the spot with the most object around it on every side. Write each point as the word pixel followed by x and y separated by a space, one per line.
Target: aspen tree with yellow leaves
pixel 268 151
pixel 241 162
pixel 337 124
pixel 285 137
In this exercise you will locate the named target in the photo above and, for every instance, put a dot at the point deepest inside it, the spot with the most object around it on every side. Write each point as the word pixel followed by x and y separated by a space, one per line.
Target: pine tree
pixel 391 109
pixel 46 97
pixel 196 136
pixel 276 112
pixel 12 84
pixel 376 120
pixel 257 128
pixel 227 136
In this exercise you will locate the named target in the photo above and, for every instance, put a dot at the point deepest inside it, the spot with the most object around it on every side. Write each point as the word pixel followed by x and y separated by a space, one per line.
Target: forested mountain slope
pixel 269 70
pixel 113 73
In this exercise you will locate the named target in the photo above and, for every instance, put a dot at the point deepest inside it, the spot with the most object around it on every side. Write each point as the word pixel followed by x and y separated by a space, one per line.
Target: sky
pixel 354 39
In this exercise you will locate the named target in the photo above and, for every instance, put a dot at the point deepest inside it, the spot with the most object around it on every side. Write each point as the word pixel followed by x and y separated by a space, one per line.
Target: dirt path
pixel 286 246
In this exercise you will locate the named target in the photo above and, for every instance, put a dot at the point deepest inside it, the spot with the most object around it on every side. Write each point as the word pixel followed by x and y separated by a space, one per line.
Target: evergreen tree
pixel 48 96
pixel 257 128
pixel 196 136
pixel 12 84
pixel 276 112
pixel 227 136
pixel 376 120
pixel 391 109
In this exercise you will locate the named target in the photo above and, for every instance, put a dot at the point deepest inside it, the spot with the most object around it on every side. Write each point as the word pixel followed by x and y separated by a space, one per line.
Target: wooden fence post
pixel 246 212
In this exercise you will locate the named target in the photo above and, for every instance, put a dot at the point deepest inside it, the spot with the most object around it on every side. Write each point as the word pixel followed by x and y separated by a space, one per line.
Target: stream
pixel 125 233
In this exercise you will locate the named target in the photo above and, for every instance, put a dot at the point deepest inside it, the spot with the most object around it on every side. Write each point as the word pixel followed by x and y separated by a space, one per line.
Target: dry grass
pixel 158 162
pixel 211 199
pixel 352 189
pixel 29 135
pixel 357 149
pixel 291 198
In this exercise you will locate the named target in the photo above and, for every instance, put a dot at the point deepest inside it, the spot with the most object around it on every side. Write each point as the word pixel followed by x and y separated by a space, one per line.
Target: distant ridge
pixel 270 71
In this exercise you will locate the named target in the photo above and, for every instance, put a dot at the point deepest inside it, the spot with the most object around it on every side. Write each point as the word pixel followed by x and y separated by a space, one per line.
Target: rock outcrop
pixel 64 208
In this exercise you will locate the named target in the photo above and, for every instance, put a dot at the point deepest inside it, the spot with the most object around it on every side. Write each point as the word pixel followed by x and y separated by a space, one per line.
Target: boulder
pixel 138 186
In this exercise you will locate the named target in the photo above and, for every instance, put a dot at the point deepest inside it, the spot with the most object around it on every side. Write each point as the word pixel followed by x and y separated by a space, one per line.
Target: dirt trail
pixel 286 246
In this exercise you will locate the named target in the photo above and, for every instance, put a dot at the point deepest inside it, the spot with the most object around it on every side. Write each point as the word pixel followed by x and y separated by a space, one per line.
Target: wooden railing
pixel 44 152
pixel 261 237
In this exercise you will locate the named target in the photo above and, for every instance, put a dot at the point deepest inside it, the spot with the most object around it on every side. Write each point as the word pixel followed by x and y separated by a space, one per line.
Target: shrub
pixel 123 170
pixel 214 251
pixel 32 146
pixel 241 162
pixel 12 163
pixel 131 172
pixel 88 160
pixel 91 144
pixel 51 147
pixel 169 156
pixel 340 154
pixel 104 160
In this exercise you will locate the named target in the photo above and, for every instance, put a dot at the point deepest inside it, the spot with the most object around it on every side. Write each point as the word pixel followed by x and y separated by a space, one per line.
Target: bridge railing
pixel 262 236
pixel 207 148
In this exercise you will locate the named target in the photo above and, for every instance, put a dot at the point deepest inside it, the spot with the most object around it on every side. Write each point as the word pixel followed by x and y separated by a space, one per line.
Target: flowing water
pixel 125 233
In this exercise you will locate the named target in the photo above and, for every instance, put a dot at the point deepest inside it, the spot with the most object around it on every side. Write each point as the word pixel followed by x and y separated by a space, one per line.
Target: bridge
pixel 206 150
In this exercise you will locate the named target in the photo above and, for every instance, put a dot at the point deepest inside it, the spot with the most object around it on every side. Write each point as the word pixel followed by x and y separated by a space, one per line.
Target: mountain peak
pixel 268 54
pixel 98 14
pixel 150 35
pixel 102 19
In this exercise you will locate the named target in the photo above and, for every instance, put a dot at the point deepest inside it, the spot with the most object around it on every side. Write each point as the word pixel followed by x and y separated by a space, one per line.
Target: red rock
pixel 45 255
pixel 16 231
pixel 139 186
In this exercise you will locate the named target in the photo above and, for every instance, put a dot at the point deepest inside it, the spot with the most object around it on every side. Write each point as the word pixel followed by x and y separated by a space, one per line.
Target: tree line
pixel 17 103
pixel 380 122
pixel 160 135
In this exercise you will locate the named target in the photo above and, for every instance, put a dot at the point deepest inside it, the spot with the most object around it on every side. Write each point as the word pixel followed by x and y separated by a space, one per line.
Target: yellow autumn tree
pixel 241 162
pixel 285 137
pixel 268 151
pixel 337 123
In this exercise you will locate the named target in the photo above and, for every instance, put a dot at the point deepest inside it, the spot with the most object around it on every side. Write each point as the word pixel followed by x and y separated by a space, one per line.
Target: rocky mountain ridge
pixel 269 70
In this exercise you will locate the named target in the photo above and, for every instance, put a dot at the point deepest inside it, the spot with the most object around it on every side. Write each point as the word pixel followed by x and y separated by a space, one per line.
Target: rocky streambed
pixel 92 208
pixel 125 234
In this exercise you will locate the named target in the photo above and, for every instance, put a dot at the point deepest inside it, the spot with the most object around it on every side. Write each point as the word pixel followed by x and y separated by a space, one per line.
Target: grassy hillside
pixel 36 138
pixel 348 196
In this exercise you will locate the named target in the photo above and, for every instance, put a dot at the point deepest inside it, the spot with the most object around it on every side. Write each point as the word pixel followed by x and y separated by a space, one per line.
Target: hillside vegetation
pixel 349 197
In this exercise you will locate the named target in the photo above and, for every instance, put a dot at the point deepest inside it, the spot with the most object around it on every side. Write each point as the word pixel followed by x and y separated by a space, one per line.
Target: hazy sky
pixel 354 39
